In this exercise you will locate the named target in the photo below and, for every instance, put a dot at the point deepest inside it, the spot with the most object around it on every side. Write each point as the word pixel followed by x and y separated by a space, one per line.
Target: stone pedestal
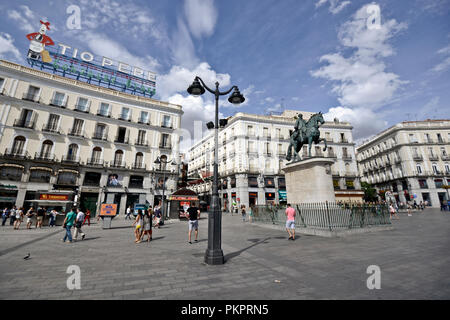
pixel 309 180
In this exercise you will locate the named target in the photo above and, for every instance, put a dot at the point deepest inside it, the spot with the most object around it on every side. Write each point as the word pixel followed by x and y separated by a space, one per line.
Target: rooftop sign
pixel 84 66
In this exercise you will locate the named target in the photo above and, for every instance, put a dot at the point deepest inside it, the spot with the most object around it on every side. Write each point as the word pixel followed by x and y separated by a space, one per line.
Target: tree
pixel 370 194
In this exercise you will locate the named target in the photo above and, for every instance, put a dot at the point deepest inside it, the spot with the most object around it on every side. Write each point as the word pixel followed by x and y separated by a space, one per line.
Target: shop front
pixel 8 196
pixel 180 200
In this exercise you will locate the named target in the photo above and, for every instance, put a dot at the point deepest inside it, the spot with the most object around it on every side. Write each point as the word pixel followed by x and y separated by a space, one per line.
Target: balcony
pixel 117 164
pixel 22 123
pixel 95 162
pixel 16 154
pixel 100 136
pixel 124 117
pixel 30 97
pixel 331 155
pixel 445 157
pixel 44 156
pixel 139 166
pixel 77 133
pixel 141 142
pixel 166 125
pixel 124 140
pixel 136 185
pixel 417 157
pixel 165 146
pixel 346 157
pixel 82 108
pixel 144 120
pixel 104 114
pixel 58 103
pixel 50 128
pixel 433 157
pixel 70 160
pixel 343 141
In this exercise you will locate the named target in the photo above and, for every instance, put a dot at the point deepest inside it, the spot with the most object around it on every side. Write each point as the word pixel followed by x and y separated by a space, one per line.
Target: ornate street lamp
pixel 160 162
pixel 214 254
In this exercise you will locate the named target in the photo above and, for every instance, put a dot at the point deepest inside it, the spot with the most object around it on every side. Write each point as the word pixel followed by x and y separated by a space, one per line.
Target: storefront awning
pixel 68 170
pixel 42 168
pixel 43 202
pixel 12 165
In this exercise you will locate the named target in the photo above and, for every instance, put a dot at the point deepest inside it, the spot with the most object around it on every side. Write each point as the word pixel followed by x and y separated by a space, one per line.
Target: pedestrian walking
pixel 147 222
pixel 138 223
pixel 409 211
pixel 290 222
pixel 5 215
pixel 78 224
pixel 250 214
pixel 243 212
pixel 19 218
pixel 52 218
pixel 12 215
pixel 30 215
pixel 129 211
pixel 40 217
pixel 392 211
pixel 157 216
pixel 88 217
pixel 193 216
pixel 68 223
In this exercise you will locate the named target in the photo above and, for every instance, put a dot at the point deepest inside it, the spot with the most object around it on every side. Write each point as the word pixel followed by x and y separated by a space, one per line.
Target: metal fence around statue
pixel 328 216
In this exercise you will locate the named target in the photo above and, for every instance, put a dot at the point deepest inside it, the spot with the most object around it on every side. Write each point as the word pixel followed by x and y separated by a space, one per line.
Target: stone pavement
pixel 260 263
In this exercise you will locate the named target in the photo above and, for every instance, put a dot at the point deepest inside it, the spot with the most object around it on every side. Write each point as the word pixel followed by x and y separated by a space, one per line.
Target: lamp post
pixel 214 254
pixel 161 161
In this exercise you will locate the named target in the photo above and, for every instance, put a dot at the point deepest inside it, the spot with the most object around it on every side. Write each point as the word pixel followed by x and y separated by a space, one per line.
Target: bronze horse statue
pixel 297 139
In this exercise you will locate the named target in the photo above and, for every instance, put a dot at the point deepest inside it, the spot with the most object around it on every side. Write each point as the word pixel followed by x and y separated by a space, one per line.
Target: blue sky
pixel 313 55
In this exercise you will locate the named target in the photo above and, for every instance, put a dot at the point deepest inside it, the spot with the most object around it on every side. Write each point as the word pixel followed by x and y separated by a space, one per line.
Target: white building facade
pixel 64 139
pixel 252 151
pixel 410 159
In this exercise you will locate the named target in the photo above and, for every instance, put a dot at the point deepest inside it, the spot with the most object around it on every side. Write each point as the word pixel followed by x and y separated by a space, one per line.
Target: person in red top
pixel 87 217
pixel 290 222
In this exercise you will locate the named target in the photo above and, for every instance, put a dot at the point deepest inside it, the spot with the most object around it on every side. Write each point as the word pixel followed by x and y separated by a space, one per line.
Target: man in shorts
pixel 40 217
pixel 290 222
pixel 193 214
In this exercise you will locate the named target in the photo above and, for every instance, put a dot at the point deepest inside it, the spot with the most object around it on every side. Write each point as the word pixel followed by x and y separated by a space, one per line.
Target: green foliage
pixel 370 194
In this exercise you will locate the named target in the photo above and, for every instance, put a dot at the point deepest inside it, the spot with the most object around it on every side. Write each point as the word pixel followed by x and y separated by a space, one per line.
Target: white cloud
pixel 25 18
pixel 445 64
pixel 361 80
pixel 365 122
pixel 336 6
pixel 101 45
pixel 182 46
pixel 8 50
pixel 269 99
pixel 201 17
pixel 179 78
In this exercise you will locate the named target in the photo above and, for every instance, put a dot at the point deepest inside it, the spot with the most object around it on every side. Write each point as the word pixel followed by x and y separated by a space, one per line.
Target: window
pixel 125 115
pixel 52 124
pixel 83 105
pixel 269 182
pixel 439 137
pixel 435 168
pixel 118 158
pixel 100 132
pixel 32 94
pixel 439 183
pixel 67 178
pixel 77 128
pixel 250 131
pixel 18 145
pixel 252 182
pixel 165 142
pixel 59 99
pixel 167 123
pixel 144 117
pixel 233 183
pixel 46 149
pixel 11 173
pixel 443 151
pixel 26 119
pixel 40 175
pixel 136 182
pixel 92 179
pixel 2 82
pixel 418 168
pixel 139 160
pixel 96 155
pixel 278 130
pixel 122 135
pixel 104 110
pixel 336 184
pixel 282 183
pixel 265 132
pixel 447 168
pixel 423 184
pixel 350 184
pixel 412 138
pixel 343 137
pixel 72 152
pixel 141 141
pixel 427 138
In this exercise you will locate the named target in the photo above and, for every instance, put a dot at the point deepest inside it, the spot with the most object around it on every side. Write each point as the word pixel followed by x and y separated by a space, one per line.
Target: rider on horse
pixel 300 127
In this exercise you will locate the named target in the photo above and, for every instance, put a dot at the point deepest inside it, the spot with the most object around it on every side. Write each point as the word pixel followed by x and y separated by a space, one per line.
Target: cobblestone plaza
pixel 260 263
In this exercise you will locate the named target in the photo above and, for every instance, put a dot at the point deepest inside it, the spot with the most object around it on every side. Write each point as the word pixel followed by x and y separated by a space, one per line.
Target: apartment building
pixel 78 143
pixel 252 151
pixel 410 159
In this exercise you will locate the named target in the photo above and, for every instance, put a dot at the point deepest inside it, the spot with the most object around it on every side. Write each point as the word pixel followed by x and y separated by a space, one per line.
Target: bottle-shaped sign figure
pixel 38 42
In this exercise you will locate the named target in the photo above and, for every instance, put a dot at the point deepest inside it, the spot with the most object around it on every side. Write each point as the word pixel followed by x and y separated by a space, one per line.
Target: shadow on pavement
pixel 237 253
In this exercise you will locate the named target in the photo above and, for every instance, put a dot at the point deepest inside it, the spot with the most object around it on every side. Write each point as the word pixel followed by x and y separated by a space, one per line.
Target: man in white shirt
pixel 78 223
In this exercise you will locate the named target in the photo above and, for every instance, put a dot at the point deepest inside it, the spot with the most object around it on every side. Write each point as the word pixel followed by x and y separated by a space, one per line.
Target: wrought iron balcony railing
pixel 22 123
pixel 14 153
pixel 58 103
pixel 30 97
pixel 44 156
pixel 51 128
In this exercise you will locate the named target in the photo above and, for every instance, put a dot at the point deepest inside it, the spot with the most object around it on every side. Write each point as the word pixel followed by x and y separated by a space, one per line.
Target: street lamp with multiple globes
pixel 161 161
pixel 214 254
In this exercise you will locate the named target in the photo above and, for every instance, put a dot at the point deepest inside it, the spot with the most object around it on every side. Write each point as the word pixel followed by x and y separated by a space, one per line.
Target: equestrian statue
pixel 305 133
